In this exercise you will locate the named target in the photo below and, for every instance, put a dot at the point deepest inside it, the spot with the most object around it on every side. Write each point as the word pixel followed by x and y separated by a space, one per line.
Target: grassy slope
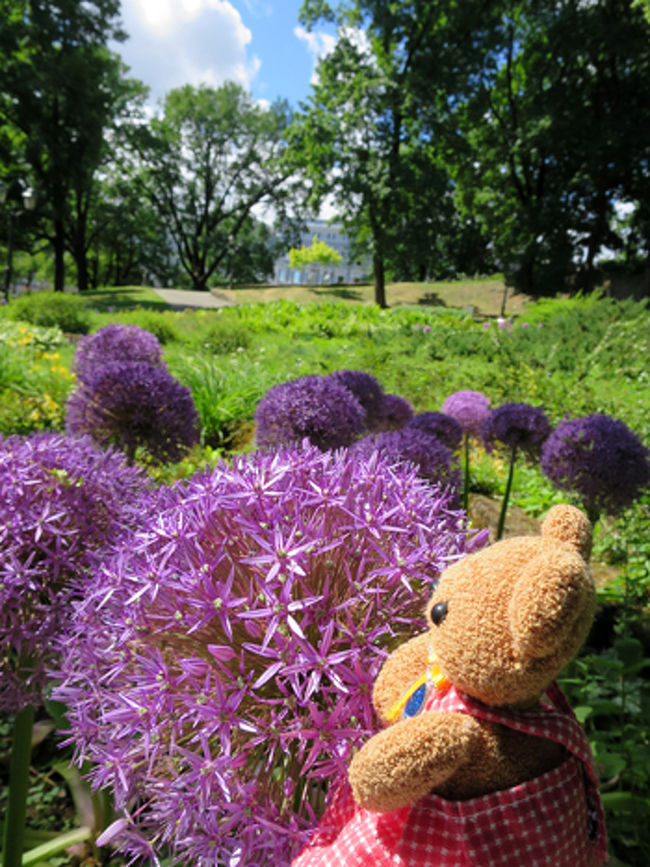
pixel 485 294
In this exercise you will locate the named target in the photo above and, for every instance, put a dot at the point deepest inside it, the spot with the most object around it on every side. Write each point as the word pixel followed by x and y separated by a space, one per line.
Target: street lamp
pixel 29 202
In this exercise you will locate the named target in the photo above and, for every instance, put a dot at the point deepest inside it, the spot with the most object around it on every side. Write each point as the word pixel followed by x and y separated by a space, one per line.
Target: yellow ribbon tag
pixel 432 677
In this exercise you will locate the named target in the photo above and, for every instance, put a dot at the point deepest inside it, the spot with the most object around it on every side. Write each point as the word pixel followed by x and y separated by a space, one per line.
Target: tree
pixel 206 164
pixel 318 253
pixel 62 89
pixel 129 242
pixel 365 137
pixel 554 136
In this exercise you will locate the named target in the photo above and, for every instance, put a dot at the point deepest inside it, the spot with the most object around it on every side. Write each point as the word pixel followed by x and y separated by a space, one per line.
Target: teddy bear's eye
pixel 438 613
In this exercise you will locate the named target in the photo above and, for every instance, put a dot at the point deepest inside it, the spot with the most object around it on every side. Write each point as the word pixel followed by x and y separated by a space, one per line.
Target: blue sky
pixel 258 43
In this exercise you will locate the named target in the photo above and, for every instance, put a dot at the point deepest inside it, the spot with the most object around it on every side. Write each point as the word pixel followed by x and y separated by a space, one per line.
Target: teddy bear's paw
pixel 405 762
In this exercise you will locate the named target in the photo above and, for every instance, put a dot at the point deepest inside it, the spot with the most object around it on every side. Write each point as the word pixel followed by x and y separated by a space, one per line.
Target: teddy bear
pixel 482 761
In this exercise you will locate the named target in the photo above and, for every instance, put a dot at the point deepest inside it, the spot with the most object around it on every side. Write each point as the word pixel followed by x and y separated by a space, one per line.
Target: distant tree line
pixel 454 138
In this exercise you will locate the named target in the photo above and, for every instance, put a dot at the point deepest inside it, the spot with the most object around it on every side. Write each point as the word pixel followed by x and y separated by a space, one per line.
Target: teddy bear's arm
pixel 398 672
pixel 406 761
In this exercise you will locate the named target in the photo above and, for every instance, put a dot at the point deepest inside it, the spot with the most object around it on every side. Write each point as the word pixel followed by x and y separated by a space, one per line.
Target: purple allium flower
pixel 395 412
pixel 221 666
pixel 367 391
pixel 433 460
pixel 61 500
pixel 600 459
pixel 317 408
pixel 134 404
pixel 469 408
pixel 517 426
pixel 116 343
pixel 440 425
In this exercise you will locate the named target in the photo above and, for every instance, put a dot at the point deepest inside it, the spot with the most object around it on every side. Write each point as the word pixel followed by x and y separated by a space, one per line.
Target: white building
pixel 318 275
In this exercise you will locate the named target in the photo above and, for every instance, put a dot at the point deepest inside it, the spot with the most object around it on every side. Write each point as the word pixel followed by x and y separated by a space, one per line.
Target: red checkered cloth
pixel 555 819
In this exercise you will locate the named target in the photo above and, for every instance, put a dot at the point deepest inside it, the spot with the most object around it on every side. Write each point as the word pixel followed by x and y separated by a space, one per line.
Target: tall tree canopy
pixel 363 136
pixel 62 89
pixel 555 136
pixel 206 163
pixel 522 121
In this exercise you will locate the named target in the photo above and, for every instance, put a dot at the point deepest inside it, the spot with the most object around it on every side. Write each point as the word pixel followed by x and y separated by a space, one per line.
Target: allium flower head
pixel 469 408
pixel 517 426
pixel 317 408
pixel 61 501
pixel 446 428
pixel 221 666
pixel 116 343
pixel 394 413
pixel 367 391
pixel 433 460
pixel 134 404
pixel 600 459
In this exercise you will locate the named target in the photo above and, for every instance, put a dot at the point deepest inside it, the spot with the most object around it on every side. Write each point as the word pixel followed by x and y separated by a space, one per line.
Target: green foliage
pixel 610 693
pixel 319 253
pixel 540 170
pixel 225 395
pixel 35 379
pixel 212 155
pixel 197 459
pixel 62 92
pixel 51 309
pixel 162 324
pixel 223 337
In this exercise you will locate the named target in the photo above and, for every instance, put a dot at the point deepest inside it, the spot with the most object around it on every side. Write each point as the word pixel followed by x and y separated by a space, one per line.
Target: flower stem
pixel 506 496
pixel 14 826
pixel 466 478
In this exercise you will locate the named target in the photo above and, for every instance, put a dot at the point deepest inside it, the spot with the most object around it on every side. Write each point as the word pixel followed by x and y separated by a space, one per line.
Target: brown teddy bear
pixel 482 761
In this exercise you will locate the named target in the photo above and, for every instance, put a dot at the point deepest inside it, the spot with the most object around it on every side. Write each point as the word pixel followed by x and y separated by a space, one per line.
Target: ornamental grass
pixel 220 667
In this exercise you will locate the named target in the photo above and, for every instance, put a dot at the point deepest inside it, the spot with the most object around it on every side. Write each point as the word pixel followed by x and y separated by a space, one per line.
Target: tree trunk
pixel 199 284
pixel 59 252
pixel 380 278
pixel 82 270
pixel 525 280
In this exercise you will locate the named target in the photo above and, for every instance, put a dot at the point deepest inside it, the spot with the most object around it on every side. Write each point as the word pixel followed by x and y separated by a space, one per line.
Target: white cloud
pixel 176 42
pixel 319 45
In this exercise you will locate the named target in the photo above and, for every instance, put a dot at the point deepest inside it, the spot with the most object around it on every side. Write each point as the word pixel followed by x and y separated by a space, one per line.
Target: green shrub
pixel 161 324
pixel 51 309
pixel 34 386
pixel 223 337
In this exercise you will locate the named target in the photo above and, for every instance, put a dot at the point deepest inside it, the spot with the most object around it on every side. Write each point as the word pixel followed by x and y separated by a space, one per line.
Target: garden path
pixel 179 299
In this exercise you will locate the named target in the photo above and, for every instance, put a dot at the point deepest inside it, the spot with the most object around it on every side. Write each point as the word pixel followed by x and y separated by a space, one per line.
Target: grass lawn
pixel 485 294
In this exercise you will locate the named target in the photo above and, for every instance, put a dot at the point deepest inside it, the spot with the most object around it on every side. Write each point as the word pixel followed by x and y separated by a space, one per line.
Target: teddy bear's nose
pixel 438 613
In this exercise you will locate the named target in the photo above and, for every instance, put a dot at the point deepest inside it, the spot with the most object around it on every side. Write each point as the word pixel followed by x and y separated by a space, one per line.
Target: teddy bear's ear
pixel 552 605
pixel 568 524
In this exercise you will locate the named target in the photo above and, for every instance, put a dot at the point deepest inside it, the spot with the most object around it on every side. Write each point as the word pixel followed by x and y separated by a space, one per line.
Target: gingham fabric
pixel 555 819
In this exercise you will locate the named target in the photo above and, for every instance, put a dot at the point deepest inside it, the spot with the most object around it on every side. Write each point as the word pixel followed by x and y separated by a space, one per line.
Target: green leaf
pixel 627 802
pixel 53 847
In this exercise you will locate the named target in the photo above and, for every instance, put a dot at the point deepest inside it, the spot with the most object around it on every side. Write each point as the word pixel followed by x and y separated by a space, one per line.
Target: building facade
pixel 319 275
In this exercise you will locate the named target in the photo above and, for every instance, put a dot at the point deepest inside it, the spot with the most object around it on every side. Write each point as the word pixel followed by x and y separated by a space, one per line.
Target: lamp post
pixel 29 201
